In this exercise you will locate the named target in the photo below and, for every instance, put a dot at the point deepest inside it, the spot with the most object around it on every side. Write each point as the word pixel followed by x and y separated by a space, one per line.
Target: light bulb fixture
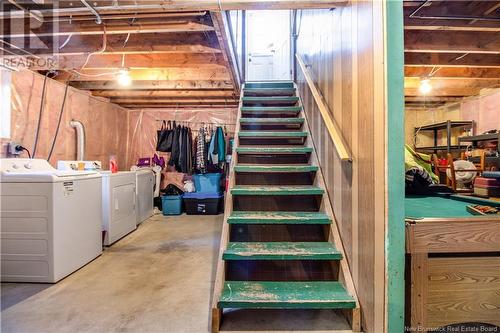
pixel 123 77
pixel 425 86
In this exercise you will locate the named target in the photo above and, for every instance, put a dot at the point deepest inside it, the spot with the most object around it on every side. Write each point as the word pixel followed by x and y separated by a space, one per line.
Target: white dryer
pixel 145 179
pixel 119 214
pixel 50 220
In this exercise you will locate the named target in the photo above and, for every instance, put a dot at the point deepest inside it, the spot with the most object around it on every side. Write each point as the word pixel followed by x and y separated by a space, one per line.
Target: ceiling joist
pixel 153 85
pixel 452 41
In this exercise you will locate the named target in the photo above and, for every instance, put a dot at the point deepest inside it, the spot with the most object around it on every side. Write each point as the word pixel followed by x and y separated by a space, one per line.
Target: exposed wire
pixel 42 100
pixel 66 41
pixel 25 149
pixel 58 122
pixel 101 50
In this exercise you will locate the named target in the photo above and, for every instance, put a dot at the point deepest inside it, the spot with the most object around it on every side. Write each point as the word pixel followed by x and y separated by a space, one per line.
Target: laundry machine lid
pixel 20 170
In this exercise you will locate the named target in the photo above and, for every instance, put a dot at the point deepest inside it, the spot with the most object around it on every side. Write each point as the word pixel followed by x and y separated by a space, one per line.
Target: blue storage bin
pixel 171 204
pixel 204 203
pixel 207 182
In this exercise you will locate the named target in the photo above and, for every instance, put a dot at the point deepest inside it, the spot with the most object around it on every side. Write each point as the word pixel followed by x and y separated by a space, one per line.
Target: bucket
pixel 171 204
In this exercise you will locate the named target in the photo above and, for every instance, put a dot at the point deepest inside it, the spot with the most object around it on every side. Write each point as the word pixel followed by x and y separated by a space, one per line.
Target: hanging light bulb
pixel 123 77
pixel 425 86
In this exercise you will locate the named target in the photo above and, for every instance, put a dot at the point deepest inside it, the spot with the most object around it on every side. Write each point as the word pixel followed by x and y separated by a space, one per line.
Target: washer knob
pixel 27 166
pixel 15 166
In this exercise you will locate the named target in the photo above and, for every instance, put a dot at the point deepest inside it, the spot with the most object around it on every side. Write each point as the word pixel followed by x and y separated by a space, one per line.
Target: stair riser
pixel 269 93
pixel 285 203
pixel 263 114
pixel 270 127
pixel 274 158
pixel 278 233
pixel 256 141
pixel 258 85
pixel 275 178
pixel 264 103
pixel 282 270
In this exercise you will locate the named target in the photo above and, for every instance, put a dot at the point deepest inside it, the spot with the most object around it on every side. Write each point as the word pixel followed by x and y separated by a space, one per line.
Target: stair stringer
pixel 216 313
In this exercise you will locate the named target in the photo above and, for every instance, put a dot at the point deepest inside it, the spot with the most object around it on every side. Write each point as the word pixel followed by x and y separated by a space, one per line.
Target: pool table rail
pixel 445 235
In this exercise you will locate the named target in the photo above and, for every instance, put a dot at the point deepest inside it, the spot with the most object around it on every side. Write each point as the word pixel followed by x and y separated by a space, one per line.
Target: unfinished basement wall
pixel 144 123
pixel 482 109
pixel 343 50
pixel 105 123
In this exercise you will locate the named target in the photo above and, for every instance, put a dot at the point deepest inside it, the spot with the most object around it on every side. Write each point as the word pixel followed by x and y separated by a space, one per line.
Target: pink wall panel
pixel 105 123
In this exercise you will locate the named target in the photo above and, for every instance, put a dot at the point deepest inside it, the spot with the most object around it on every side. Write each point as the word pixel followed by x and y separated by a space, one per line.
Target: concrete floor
pixel 157 279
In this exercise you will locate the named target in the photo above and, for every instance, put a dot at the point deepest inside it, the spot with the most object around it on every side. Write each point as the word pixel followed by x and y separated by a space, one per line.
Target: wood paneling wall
pixel 344 50
pixel 105 123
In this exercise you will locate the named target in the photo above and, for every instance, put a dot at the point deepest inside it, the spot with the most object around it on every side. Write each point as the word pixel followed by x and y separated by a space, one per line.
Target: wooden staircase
pixel 280 246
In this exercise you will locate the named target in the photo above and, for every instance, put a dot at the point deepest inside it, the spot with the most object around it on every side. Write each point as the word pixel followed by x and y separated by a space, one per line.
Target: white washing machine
pixel 50 220
pixel 119 214
pixel 145 179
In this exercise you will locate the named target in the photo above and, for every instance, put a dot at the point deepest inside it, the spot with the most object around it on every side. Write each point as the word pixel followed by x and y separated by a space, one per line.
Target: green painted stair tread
pixel 269 98
pixel 268 84
pixel 242 217
pixel 274 150
pixel 279 91
pixel 275 168
pixel 271 108
pixel 281 251
pixel 270 134
pixel 272 120
pixel 276 190
pixel 285 295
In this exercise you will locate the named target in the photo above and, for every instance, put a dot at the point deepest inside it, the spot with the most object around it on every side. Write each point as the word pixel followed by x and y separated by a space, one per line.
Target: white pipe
pixel 80 139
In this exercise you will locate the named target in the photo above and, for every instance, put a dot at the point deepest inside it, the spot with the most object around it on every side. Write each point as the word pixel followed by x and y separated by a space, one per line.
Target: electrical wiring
pixel 101 50
pixel 58 122
pixel 42 100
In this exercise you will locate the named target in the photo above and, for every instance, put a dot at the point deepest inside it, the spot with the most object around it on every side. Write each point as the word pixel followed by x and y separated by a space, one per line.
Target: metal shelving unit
pixel 447 126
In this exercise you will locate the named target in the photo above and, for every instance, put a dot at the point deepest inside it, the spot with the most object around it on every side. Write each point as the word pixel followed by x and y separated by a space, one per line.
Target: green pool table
pixel 443 206
pixel 453 260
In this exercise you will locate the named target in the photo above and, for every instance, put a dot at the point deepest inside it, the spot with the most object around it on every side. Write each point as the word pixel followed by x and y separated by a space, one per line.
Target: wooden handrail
pixel 331 125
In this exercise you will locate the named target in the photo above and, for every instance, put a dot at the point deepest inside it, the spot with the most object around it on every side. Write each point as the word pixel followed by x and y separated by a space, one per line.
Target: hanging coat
pixel 221 146
pixel 174 155
pixel 200 151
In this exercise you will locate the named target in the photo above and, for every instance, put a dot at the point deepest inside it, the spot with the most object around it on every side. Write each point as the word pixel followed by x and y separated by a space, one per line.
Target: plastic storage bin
pixel 171 204
pixel 204 203
pixel 207 183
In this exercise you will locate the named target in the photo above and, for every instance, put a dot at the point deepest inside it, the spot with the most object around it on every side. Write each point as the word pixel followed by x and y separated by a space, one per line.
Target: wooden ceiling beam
pixel 196 93
pixel 49 30
pixel 150 43
pixel 453 72
pixel 451 86
pixel 134 61
pixel 452 41
pixel 419 99
pixel 69 8
pixel 216 72
pixel 444 27
pixel 452 60
pixel 130 101
pixel 180 105
pixel 153 85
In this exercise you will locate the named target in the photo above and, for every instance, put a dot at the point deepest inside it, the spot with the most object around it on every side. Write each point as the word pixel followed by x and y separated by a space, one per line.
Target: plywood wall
pixel 105 123
pixel 343 48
